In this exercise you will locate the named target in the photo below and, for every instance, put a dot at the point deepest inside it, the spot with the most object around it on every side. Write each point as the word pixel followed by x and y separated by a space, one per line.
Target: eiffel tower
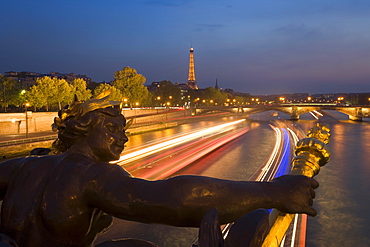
pixel 191 77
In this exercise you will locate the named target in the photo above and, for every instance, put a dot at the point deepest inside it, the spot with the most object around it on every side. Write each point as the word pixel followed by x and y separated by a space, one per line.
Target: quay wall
pixel 32 122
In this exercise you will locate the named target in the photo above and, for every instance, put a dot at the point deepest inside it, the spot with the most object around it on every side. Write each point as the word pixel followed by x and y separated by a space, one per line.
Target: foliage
pixel 79 89
pixel 62 92
pixel 166 91
pixel 114 95
pixel 35 97
pixel 10 92
pixel 50 91
pixel 208 96
pixel 131 85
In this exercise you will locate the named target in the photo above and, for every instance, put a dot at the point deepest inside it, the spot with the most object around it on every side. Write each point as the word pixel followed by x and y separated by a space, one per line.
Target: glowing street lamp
pixel 125 101
pixel 25 106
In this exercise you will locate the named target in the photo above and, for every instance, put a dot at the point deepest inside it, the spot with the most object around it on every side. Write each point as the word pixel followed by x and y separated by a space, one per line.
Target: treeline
pixel 128 86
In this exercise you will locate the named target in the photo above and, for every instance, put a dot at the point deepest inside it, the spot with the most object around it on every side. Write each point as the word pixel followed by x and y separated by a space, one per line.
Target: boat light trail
pixel 294 135
pixel 285 165
pixel 315 114
pixel 170 143
pixel 273 155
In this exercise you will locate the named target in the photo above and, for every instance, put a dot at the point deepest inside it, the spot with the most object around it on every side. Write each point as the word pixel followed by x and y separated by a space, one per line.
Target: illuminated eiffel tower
pixel 191 77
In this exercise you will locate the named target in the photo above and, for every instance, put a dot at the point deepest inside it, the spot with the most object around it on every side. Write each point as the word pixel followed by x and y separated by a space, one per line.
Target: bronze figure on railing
pixel 68 199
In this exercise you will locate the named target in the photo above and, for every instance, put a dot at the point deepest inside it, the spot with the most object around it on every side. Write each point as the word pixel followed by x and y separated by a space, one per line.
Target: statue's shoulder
pixel 17 161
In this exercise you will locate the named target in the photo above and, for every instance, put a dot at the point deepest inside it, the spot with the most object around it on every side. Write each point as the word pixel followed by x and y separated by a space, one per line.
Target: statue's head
pixel 96 123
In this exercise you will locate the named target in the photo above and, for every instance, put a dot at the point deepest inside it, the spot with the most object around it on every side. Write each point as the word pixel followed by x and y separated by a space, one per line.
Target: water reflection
pixel 343 200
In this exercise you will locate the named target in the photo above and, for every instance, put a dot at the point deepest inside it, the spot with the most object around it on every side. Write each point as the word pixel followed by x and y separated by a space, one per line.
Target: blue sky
pixel 254 46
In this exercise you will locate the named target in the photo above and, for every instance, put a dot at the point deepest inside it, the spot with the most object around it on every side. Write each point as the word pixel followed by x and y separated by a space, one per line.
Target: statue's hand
pixel 295 194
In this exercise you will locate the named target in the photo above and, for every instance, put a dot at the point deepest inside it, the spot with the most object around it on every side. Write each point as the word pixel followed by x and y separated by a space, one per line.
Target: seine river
pixel 342 200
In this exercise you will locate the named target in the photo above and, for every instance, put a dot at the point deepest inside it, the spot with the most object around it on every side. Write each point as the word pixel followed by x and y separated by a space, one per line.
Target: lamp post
pixel 26 105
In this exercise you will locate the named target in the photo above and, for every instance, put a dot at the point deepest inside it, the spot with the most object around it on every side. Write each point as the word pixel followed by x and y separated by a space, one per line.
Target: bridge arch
pixel 294 111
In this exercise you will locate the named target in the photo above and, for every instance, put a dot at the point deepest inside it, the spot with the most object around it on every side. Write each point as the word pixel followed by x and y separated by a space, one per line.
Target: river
pixel 342 200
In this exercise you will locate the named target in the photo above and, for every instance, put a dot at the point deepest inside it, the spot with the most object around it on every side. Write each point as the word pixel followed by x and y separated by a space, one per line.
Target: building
pixel 27 79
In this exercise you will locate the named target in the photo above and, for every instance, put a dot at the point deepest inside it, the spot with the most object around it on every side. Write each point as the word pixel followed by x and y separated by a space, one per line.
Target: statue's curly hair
pixel 74 128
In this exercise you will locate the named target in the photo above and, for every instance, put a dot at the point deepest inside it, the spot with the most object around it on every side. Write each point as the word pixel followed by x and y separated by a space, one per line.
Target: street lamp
pixel 26 105
pixel 340 99
pixel 125 101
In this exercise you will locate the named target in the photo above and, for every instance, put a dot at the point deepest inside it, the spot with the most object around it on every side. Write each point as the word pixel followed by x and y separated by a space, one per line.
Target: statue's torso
pixel 45 201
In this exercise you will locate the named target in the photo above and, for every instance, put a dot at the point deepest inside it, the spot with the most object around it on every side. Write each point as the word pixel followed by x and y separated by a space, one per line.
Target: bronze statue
pixel 68 199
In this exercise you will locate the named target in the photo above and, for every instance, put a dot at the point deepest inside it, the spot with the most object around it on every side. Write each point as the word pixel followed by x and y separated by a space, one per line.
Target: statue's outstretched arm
pixel 183 200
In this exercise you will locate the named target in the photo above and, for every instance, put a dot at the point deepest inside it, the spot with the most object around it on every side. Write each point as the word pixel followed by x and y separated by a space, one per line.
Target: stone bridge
pixel 355 113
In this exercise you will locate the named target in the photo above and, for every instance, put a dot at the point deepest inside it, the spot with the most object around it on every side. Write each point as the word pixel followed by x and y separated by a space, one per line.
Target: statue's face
pixel 107 138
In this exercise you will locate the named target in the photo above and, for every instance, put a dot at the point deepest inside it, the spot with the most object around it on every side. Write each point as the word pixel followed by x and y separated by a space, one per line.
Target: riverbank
pixel 17 145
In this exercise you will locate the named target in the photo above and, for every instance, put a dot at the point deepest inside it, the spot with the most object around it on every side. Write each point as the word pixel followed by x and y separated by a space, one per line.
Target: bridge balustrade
pixel 355 113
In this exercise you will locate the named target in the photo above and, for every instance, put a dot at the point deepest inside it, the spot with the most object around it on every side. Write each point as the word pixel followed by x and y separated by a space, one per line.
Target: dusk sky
pixel 251 46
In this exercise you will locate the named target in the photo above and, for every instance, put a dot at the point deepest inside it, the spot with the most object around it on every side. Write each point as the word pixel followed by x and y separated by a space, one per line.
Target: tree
pixel 8 90
pixel 35 97
pixel 131 85
pixel 62 92
pixel 114 95
pixel 50 91
pixel 166 91
pixel 79 88
pixel 208 96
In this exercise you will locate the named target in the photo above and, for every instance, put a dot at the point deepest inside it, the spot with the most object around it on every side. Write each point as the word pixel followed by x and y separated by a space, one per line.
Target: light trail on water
pixel 132 156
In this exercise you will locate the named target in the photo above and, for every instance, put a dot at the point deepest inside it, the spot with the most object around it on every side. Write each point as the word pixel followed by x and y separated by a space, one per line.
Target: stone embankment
pixel 19 135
